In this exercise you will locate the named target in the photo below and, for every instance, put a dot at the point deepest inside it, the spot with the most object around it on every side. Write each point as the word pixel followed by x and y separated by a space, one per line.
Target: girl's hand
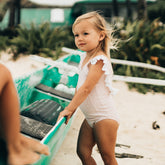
pixel 65 113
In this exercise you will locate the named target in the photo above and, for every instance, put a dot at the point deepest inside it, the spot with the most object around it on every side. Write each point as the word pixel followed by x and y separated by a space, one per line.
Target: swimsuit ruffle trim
pixel 107 69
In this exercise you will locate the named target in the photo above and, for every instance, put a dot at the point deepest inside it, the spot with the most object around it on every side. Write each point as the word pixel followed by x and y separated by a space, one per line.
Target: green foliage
pixel 5 36
pixel 157 10
pixel 3 42
pixel 142 41
pixel 41 40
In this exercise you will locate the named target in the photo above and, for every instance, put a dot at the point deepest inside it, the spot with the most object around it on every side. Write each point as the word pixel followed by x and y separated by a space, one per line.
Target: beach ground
pixel 137 114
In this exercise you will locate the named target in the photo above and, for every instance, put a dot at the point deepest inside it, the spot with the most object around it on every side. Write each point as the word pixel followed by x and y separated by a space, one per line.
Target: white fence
pixel 131 63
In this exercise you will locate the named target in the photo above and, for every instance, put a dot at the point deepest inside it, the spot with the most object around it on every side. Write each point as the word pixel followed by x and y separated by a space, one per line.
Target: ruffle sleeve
pixel 82 57
pixel 107 68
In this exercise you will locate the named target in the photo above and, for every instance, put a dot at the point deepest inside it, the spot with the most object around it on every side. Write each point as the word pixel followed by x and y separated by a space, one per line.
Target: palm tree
pixel 142 9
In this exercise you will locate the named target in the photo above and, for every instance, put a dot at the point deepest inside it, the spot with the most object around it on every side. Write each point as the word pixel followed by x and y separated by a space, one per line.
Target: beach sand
pixel 137 113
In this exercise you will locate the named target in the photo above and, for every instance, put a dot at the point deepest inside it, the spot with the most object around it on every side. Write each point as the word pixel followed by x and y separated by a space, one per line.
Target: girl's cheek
pixel 76 44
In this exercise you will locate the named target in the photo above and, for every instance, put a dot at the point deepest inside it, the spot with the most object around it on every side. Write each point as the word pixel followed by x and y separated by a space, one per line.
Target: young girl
pixel 21 150
pixel 94 91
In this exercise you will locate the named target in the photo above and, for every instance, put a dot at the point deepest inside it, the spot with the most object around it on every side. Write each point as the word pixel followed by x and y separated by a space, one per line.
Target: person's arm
pixel 95 73
pixel 5 75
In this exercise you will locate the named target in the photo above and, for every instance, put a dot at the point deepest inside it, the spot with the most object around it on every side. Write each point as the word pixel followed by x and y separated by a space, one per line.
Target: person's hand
pixel 65 113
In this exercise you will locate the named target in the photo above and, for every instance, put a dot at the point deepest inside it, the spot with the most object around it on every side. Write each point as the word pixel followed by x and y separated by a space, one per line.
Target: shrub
pixel 5 36
pixel 41 40
pixel 3 42
pixel 157 10
pixel 142 41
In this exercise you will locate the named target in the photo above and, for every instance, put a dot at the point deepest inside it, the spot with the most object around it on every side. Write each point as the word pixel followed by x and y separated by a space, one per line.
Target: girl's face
pixel 87 37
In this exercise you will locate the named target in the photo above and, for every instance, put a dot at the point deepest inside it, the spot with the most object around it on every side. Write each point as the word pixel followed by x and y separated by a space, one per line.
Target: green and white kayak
pixel 43 95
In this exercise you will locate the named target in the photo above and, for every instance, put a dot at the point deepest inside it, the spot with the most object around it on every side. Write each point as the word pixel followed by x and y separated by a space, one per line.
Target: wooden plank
pixel 34 128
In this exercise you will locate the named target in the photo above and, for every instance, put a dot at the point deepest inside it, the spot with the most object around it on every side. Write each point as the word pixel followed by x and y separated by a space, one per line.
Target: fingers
pixel 34 145
pixel 62 114
pixel 59 117
pixel 65 113
pixel 66 116
pixel 42 149
pixel 67 119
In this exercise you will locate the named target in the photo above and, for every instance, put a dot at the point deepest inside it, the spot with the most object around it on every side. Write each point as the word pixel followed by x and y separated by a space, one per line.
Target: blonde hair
pixel 100 24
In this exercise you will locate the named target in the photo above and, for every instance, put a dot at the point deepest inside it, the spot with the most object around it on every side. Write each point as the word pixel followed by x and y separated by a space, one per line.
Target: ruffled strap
pixel 82 57
pixel 107 68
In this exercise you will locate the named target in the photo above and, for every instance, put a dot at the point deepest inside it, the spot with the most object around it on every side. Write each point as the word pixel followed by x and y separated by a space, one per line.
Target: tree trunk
pixel 18 12
pixel 12 14
pixel 129 11
pixel 142 9
pixel 14 17
pixel 115 7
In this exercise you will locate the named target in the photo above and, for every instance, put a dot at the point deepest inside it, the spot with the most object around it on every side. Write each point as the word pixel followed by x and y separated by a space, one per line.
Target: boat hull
pixel 28 94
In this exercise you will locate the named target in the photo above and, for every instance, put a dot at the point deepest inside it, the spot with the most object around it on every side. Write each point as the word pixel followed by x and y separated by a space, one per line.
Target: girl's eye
pixel 85 33
pixel 76 35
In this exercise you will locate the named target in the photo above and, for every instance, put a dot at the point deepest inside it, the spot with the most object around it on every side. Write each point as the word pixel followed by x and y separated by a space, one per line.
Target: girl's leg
pixel 85 144
pixel 105 132
pixel 21 150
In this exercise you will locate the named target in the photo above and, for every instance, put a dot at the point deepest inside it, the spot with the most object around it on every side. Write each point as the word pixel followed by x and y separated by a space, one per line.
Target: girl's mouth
pixel 81 44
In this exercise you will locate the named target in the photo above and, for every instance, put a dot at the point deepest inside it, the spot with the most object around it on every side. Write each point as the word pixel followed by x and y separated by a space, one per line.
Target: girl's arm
pixel 95 73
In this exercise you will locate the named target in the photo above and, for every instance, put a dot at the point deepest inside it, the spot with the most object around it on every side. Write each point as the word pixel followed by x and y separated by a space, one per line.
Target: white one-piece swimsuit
pixel 99 104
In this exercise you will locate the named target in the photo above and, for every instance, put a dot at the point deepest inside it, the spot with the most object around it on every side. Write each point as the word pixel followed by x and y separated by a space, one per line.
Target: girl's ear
pixel 102 36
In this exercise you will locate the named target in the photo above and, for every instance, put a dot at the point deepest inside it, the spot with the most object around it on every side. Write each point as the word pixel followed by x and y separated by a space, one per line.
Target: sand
pixel 137 113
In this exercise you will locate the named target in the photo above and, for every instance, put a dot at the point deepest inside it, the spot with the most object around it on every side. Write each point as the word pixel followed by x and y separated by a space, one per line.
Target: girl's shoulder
pixel 102 57
pixel 107 66
pixel 108 71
